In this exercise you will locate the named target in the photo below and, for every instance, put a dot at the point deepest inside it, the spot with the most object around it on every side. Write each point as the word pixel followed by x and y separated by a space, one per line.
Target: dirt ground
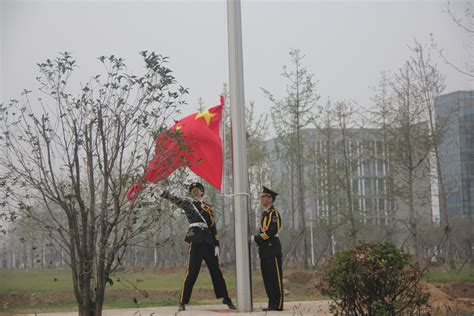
pixel 460 297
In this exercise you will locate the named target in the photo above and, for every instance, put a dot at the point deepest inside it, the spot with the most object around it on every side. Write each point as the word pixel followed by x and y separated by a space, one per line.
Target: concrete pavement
pixel 290 308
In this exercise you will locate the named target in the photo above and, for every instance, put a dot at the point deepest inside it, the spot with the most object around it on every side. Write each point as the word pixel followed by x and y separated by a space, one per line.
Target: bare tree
pixel 429 85
pixel 411 149
pixel 325 188
pixel 383 118
pixel 290 116
pixel 283 150
pixel 79 154
pixel 465 22
pixel 259 167
pixel 348 161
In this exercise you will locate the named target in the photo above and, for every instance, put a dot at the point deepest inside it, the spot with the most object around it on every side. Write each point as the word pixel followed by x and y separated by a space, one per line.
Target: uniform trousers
pixel 273 280
pixel 197 253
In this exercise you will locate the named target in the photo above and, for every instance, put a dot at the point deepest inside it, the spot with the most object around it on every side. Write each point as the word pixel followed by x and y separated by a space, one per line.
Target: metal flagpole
pixel 239 156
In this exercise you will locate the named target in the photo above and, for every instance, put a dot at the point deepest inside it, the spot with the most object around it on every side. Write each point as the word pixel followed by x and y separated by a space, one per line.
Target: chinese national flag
pixel 194 141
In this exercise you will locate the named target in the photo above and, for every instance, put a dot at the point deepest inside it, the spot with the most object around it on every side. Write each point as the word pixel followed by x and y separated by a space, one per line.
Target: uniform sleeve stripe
pixel 278 221
pixel 267 223
pixel 264 226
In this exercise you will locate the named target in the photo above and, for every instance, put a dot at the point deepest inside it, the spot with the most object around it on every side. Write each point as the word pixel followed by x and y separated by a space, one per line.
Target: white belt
pixel 199 224
pixel 276 235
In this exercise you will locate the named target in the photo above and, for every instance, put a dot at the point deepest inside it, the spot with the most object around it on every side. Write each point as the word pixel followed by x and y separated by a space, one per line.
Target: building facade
pixel 455 112
pixel 353 176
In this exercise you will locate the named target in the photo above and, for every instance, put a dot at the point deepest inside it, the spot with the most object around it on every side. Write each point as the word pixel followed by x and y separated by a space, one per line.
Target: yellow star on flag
pixel 206 115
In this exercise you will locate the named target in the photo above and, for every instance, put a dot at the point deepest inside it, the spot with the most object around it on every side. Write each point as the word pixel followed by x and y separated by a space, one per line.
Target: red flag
pixel 194 141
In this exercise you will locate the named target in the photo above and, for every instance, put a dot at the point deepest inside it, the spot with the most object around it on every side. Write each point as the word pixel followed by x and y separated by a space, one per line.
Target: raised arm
pixel 183 203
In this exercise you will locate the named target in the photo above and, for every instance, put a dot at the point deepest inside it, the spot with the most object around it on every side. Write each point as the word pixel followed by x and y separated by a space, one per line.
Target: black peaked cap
pixel 196 184
pixel 268 191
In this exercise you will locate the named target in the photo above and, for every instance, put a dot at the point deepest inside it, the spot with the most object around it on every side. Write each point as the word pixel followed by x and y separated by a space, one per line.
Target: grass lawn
pixel 52 280
pixel 440 275
pixel 51 289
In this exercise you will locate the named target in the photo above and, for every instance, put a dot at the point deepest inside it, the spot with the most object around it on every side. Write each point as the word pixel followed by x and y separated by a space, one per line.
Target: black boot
pixel 181 307
pixel 229 303
pixel 271 308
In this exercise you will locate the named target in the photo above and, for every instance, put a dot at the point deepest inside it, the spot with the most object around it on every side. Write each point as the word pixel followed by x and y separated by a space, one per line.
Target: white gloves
pixel 252 238
pixel 216 252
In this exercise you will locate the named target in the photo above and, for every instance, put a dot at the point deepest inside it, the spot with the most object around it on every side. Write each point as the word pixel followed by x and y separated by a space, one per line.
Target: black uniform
pixel 269 250
pixel 202 242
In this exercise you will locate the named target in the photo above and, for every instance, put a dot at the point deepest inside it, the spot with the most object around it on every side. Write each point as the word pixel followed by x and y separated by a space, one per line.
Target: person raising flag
pixel 203 243
pixel 194 141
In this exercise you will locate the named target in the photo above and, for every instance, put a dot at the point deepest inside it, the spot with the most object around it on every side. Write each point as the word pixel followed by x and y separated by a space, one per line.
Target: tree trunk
pixel 329 193
pixel 292 187
pixel 443 204
pixel 135 255
pixel 411 205
pixel 350 204
pixel 100 286
pixel 301 204
pixel 99 301
pixel 32 255
pixel 155 251
pixel 86 294
pixel 389 185
pixel 43 253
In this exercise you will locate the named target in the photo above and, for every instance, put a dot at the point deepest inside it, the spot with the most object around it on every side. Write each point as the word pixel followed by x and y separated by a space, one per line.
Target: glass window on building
pixel 382 204
pixel 355 186
pixel 381 186
pixel 380 167
pixel 367 187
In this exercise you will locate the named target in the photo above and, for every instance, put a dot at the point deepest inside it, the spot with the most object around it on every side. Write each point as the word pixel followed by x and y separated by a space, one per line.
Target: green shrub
pixel 373 279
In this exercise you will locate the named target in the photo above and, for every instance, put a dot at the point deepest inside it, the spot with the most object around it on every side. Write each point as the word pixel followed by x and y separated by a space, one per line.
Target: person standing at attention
pixel 269 251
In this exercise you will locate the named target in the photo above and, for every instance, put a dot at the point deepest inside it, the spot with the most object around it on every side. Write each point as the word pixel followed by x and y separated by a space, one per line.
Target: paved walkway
pixel 290 308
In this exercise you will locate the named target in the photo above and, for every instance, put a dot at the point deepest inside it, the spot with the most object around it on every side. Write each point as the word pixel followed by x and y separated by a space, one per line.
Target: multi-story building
pixel 327 190
pixel 455 113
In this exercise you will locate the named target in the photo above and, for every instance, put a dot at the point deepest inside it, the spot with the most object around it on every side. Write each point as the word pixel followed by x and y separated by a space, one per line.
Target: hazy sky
pixel 347 43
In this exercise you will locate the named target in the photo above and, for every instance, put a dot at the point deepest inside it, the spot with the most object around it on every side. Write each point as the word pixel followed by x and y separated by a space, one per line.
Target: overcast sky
pixel 347 43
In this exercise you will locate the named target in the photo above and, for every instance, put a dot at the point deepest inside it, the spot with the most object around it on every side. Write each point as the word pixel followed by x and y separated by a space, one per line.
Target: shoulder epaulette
pixel 207 207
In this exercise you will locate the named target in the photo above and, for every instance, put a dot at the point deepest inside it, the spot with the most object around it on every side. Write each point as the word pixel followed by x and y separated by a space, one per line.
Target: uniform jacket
pixel 268 243
pixel 197 234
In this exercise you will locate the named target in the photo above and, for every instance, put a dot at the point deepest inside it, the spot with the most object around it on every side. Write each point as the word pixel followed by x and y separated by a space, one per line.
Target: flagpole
pixel 239 156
